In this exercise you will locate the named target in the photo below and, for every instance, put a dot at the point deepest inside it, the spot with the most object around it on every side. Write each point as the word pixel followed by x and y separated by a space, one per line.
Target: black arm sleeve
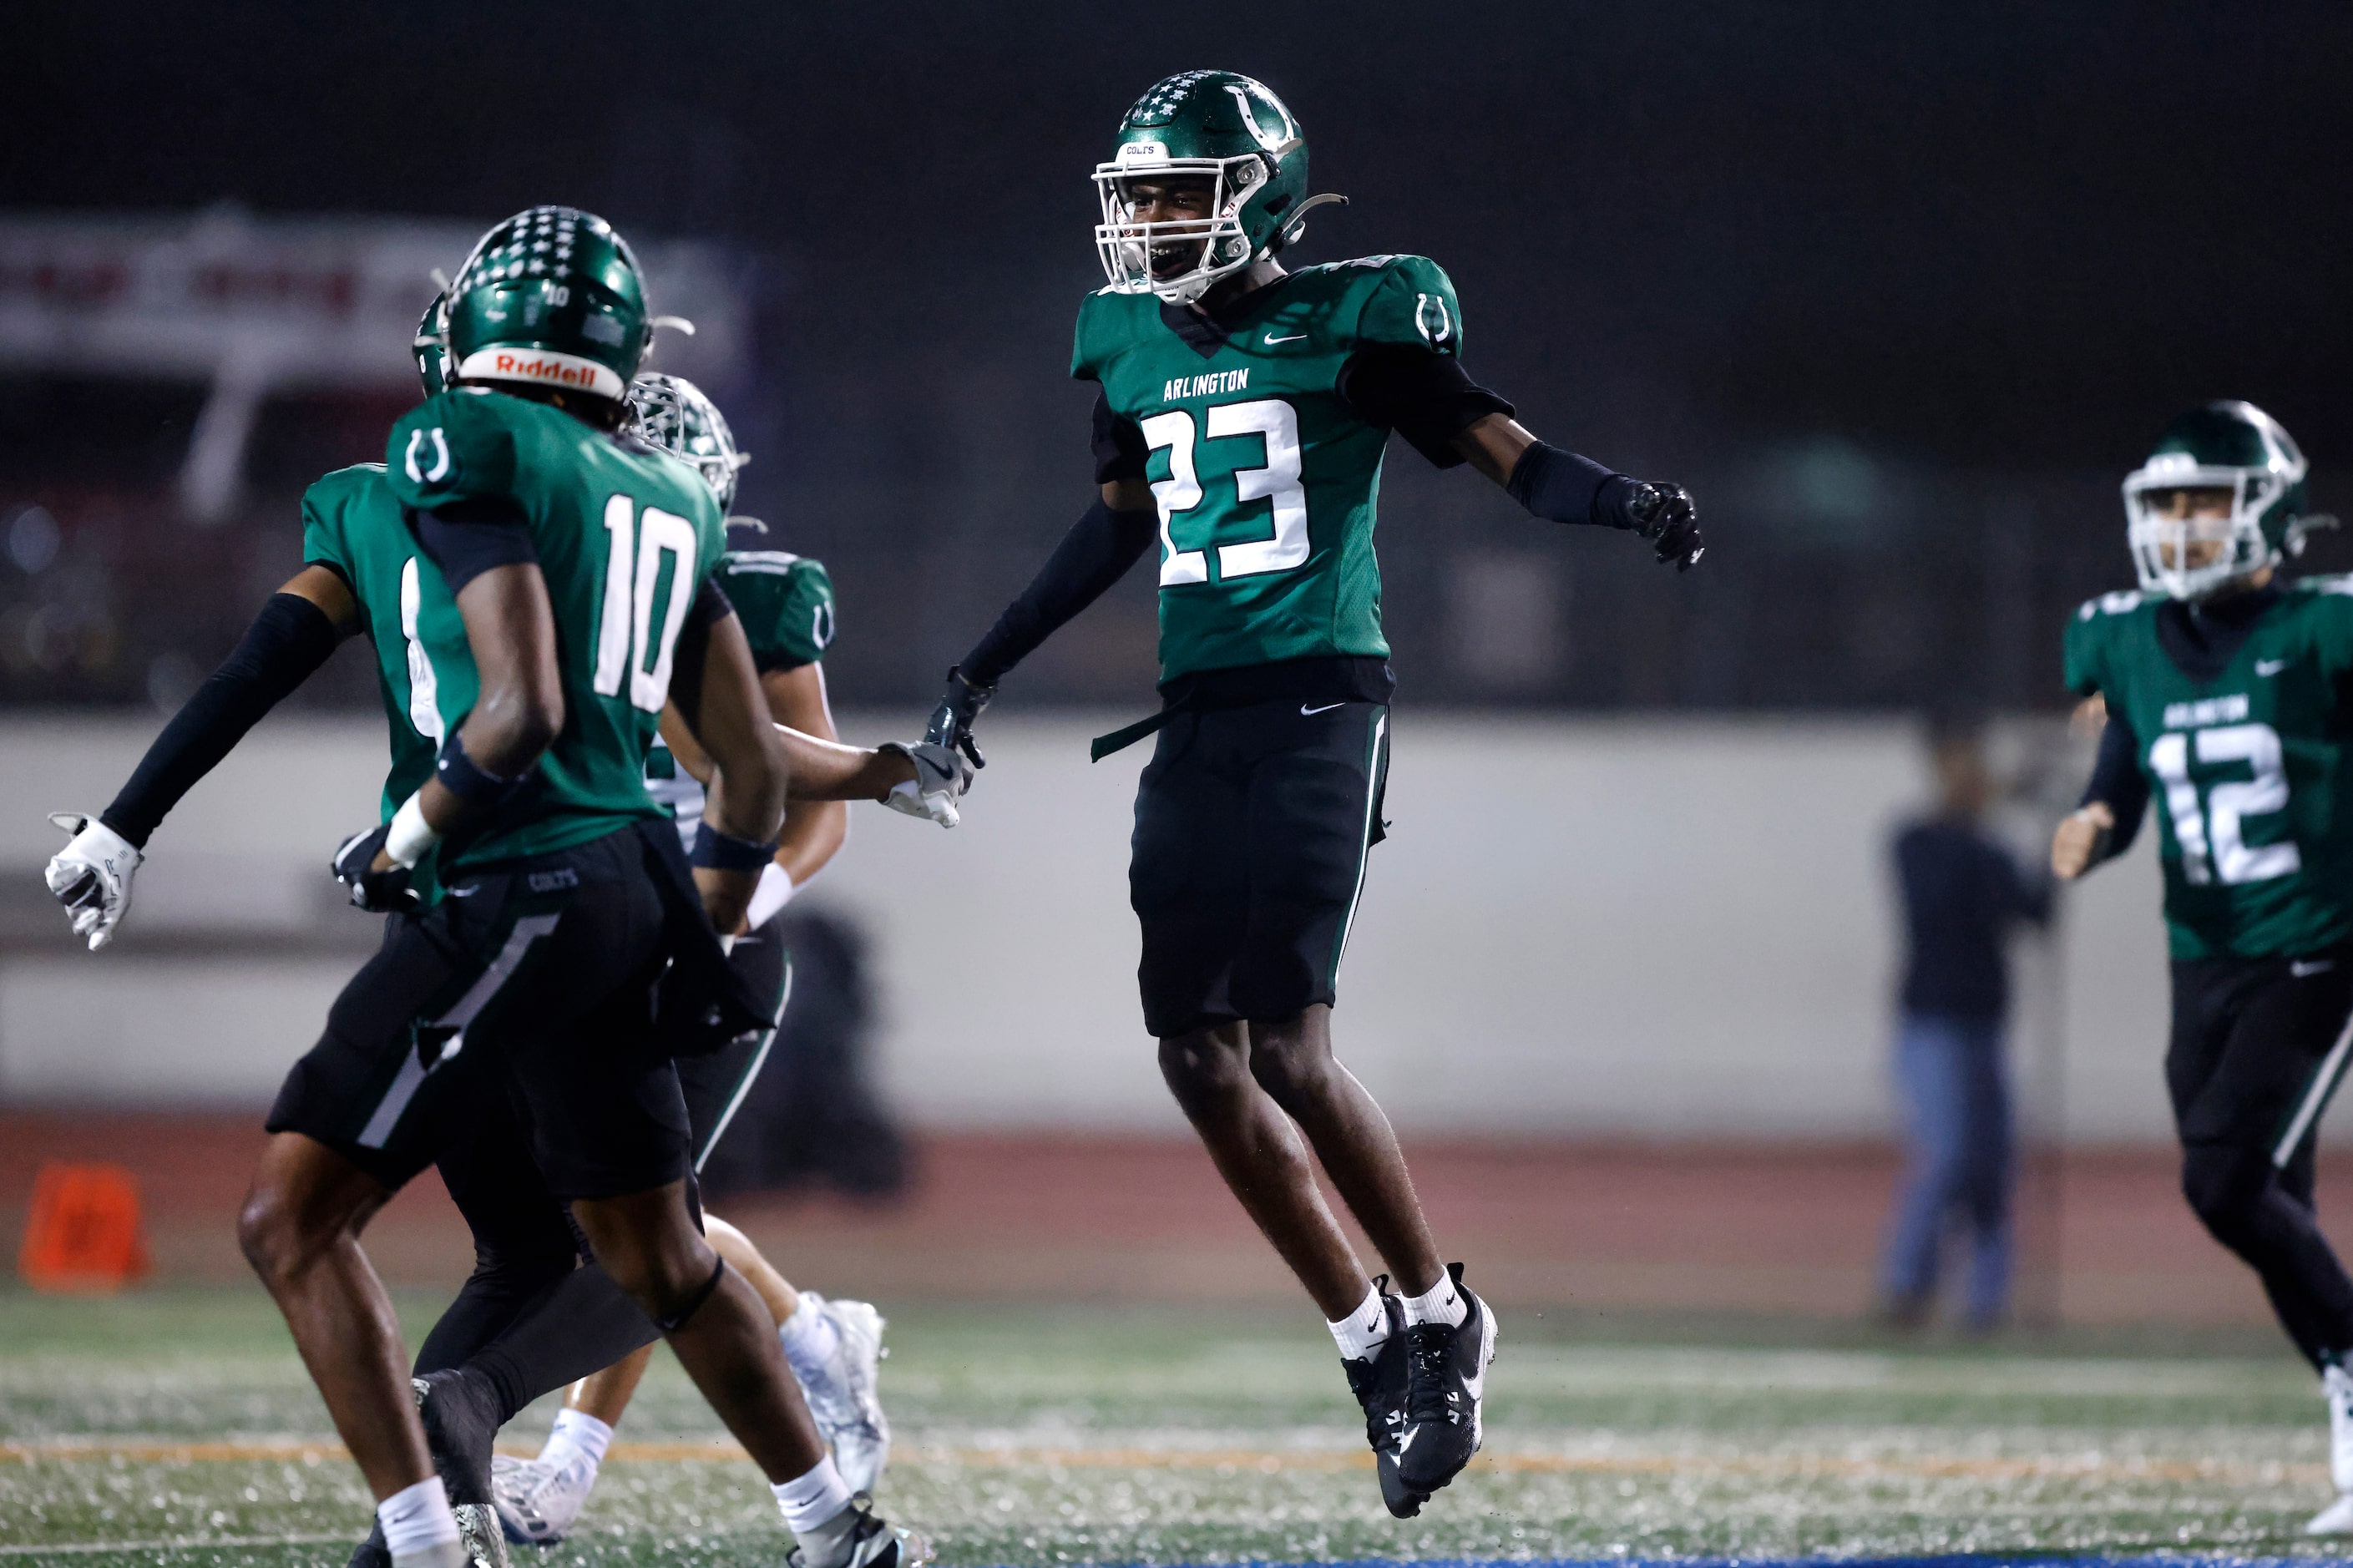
pixel 1096 553
pixel 1559 485
pixel 1428 398
pixel 468 538
pixel 2116 779
pixel 1120 451
pixel 291 637
pixel 693 650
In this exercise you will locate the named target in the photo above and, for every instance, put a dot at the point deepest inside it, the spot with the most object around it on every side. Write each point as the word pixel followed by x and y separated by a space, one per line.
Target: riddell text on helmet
pixel 545 365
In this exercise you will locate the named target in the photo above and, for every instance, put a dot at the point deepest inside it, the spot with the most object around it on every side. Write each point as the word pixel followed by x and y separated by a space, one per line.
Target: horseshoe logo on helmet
pixel 440 468
pixel 1276 146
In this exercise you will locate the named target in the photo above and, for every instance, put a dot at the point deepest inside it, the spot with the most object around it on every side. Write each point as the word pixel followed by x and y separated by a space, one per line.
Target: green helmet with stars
pixel 678 416
pixel 2226 476
pixel 554 298
pixel 1219 126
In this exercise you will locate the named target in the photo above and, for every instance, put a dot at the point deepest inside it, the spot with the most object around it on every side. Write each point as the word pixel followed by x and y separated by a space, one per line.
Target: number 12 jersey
pixel 2246 769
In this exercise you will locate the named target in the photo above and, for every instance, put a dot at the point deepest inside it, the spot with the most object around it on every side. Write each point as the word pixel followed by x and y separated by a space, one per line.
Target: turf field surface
pixel 177 1427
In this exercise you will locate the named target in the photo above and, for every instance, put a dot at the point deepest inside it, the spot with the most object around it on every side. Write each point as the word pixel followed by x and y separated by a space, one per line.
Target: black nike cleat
pixel 461 1421
pixel 1446 1378
pixel 1378 1382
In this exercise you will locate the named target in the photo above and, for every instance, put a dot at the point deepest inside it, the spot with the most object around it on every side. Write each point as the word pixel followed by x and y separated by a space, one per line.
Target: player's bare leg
pixel 300 1229
pixel 1259 1151
pixel 724 1337
pixel 607 1394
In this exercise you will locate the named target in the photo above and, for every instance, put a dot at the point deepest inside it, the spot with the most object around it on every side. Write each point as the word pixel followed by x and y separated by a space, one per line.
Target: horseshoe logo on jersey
pixel 1425 308
pixel 440 468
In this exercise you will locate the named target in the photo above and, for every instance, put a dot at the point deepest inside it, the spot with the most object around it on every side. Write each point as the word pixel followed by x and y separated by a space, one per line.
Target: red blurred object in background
pixel 85 1233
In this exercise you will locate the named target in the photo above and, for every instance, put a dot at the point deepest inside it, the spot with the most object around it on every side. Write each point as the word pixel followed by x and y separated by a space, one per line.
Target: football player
pixel 557 579
pixel 1242 414
pixel 834 1347
pixel 2228 693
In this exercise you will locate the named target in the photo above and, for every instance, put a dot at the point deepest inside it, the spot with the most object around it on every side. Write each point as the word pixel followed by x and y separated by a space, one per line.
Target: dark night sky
pixel 1998 237
pixel 2033 228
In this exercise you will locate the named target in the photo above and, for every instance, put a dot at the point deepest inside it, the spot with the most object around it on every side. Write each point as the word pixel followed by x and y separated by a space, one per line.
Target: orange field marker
pixel 85 1233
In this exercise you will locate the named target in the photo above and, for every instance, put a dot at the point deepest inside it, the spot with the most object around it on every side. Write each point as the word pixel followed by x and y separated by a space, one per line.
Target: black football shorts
pixel 2258 1046
pixel 715 1085
pixel 530 982
pixel 1253 825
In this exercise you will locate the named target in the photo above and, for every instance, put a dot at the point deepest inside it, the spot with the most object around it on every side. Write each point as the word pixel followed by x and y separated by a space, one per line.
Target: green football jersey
pixel 352 523
pixel 625 535
pixel 1267 479
pixel 2246 770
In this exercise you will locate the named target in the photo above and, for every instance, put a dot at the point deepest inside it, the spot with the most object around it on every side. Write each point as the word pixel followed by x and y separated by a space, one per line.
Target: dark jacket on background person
pixel 1962 893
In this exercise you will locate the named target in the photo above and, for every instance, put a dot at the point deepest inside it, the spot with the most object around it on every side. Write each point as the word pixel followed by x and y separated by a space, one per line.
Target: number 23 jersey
pixel 1266 479
pixel 2246 770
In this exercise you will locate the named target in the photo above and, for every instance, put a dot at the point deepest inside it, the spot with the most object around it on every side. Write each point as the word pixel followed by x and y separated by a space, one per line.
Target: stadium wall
pixel 1577 928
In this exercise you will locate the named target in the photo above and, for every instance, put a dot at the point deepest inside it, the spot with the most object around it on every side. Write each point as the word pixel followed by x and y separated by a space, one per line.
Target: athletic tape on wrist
pixel 715 850
pixel 410 835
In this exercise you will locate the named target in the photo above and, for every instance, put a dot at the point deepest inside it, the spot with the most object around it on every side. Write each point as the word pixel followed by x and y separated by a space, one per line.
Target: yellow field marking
pixel 1928 1466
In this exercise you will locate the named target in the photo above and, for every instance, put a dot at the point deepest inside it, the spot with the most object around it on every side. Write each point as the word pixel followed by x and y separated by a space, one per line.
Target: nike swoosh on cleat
pixel 1311 712
pixel 1294 338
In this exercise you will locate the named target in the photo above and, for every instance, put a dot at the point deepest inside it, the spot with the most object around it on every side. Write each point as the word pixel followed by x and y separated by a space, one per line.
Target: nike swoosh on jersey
pixel 2270 666
pixel 1311 712
pixel 2304 970
pixel 1294 338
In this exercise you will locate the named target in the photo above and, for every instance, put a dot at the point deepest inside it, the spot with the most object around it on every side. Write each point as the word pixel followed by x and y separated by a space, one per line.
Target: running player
pixel 2229 694
pixel 1241 419
pixel 835 1347
pixel 567 578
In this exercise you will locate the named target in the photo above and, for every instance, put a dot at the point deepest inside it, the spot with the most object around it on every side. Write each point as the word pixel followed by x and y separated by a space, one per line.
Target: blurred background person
pixel 1963 895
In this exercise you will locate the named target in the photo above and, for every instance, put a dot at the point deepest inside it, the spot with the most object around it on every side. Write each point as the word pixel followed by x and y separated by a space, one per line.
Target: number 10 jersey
pixel 1266 479
pixel 2247 770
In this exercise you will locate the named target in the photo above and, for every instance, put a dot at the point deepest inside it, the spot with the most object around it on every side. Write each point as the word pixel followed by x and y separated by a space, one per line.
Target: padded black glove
pixel 951 724
pixel 1663 514
pixel 378 892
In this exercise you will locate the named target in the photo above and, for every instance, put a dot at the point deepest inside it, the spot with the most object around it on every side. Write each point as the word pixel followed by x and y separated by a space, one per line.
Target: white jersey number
pixel 1277 481
pixel 2209 832
pixel 628 644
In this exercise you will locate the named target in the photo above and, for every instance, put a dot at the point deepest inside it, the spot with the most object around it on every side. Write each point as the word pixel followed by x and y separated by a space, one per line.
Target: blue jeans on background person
pixel 1958 1136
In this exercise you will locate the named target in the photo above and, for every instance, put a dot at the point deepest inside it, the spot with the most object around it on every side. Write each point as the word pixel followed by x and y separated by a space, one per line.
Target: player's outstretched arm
pixel 2106 823
pixel 1097 551
pixel 717 691
pixel 292 637
pixel 1562 487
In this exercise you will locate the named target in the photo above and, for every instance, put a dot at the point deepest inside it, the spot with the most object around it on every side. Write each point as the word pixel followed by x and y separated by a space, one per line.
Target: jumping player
pixel 1241 419
pixel 835 1347
pixel 2229 693
pixel 542 893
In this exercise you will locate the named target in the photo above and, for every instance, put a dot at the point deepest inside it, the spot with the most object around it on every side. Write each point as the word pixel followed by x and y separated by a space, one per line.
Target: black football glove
pixel 1663 514
pixel 378 892
pixel 951 724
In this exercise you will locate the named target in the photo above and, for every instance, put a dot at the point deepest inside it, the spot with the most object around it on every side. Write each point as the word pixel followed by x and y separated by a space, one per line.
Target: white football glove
pixel 941 777
pixel 91 875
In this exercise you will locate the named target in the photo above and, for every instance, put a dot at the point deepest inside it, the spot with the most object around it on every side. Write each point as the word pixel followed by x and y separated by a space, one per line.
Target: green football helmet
pixel 1225 128
pixel 431 346
pixel 673 414
pixel 2254 517
pixel 551 297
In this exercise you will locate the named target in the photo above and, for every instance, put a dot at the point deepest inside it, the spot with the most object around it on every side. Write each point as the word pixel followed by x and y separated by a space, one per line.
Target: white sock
pixel 812 1503
pixel 811 1341
pixel 577 1434
pixel 1364 1331
pixel 417 1519
pixel 1441 1303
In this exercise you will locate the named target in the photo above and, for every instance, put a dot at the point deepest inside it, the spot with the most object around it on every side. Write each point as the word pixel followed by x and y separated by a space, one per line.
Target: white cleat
pixel 2337 1519
pixel 537 1502
pixel 842 1393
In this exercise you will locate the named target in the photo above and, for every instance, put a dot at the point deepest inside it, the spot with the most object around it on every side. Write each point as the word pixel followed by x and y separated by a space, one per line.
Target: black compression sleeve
pixel 1560 485
pixel 468 538
pixel 1428 398
pixel 2116 779
pixel 1096 553
pixel 1119 448
pixel 291 637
